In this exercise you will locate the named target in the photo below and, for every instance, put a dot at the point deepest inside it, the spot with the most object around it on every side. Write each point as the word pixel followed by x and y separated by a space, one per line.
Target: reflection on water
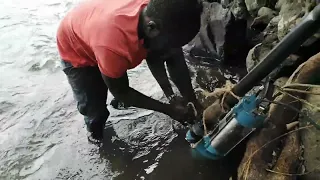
pixel 42 136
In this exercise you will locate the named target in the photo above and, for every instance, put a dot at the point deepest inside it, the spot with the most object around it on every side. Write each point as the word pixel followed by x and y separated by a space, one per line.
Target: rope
pixel 218 92
pixel 299 99
pixel 301 85
pixel 301 91
pixel 224 96
pixel 195 112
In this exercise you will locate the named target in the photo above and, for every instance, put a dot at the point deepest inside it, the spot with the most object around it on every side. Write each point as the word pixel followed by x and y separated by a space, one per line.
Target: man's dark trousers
pixel 91 93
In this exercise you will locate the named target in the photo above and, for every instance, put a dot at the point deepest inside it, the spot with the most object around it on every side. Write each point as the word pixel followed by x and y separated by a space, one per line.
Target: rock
pixel 311 138
pixel 219 19
pixel 256 54
pixel 224 3
pixel 272 26
pixel 285 25
pixel 205 36
pixel 254 5
pixel 288 160
pixel 265 11
pixel 290 13
pixel 280 82
pixel 223 34
pixel 228 34
pixel 197 50
pixel 239 9
pixel 252 59
pixel 309 74
pixel 264 16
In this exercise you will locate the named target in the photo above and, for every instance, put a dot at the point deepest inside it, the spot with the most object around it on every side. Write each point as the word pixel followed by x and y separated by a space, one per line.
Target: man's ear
pixel 152 29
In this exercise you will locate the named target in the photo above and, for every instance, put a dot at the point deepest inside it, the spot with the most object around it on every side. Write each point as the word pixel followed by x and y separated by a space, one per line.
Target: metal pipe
pixel 289 44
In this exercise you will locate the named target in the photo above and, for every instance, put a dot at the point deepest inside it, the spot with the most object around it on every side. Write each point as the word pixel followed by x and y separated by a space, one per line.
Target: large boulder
pixel 311 138
pixel 227 34
pixel 223 32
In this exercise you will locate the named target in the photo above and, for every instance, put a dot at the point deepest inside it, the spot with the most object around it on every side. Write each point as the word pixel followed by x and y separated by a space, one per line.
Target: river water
pixel 42 136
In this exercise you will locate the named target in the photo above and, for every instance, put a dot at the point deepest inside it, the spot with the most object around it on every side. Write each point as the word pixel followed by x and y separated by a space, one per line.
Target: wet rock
pixel 228 34
pixel 219 19
pixel 252 58
pixel 280 82
pixel 254 5
pixel 224 3
pixel 239 9
pixel 291 13
pixel 265 11
pixel 264 16
pixel 271 30
pixel 223 32
pixel 205 36
pixel 199 52
pixel 311 138
pixel 256 54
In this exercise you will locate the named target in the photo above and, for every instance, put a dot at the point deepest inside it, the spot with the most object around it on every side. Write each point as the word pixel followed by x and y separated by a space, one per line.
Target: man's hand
pixel 177 100
pixel 180 108
pixel 179 113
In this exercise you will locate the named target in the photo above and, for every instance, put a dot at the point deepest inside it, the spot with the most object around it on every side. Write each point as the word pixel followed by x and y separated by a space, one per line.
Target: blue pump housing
pixel 243 114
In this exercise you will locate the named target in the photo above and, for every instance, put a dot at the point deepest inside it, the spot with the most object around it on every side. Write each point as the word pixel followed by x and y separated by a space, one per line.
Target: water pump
pixel 240 122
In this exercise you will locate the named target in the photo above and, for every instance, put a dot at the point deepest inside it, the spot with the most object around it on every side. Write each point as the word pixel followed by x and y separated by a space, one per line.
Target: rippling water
pixel 42 136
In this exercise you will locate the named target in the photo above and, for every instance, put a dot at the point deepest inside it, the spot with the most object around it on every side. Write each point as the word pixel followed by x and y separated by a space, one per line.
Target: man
pixel 99 40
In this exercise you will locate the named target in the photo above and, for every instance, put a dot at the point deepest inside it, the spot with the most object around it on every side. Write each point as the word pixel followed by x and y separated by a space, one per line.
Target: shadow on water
pixel 177 161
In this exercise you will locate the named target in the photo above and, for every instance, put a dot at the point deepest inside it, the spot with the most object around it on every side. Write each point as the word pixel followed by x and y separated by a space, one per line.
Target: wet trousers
pixel 90 92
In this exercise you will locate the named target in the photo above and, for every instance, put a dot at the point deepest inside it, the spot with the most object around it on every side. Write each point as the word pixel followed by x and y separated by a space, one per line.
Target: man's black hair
pixel 179 19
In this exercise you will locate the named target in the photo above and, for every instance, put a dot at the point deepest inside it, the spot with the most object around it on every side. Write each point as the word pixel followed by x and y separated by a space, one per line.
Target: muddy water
pixel 42 136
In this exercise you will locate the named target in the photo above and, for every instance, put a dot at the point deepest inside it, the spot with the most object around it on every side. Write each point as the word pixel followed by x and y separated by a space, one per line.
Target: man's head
pixel 170 23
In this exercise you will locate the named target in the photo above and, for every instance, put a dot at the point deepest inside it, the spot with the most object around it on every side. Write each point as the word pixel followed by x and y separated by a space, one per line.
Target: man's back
pixel 110 24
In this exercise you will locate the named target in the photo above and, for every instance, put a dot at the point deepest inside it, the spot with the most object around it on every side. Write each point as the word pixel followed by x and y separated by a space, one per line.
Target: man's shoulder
pixel 108 34
pixel 120 32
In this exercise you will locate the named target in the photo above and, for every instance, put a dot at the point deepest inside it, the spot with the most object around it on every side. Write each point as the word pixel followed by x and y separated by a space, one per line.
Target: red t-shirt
pixel 103 33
